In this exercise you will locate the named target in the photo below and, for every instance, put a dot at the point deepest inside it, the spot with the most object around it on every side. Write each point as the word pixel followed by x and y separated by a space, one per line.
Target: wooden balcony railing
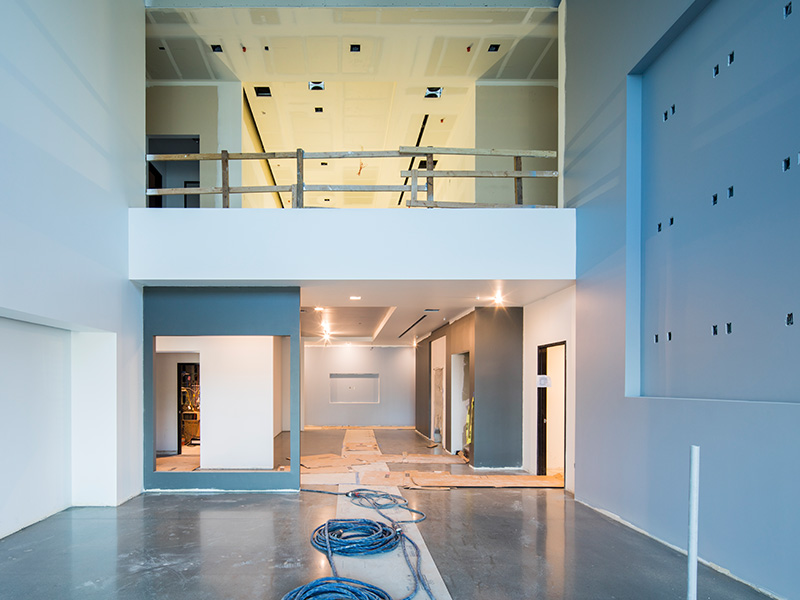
pixel 421 180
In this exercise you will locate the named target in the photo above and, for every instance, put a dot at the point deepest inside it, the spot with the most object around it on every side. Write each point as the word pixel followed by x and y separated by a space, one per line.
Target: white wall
pixel 549 320
pixel 498 244
pixel 518 117
pixel 214 112
pixel 395 367
pixel 236 395
pixel 35 424
pixel 165 376
pixel 77 162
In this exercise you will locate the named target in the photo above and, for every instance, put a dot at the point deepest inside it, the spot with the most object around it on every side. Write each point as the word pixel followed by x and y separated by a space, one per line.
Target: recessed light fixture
pixel 433 92
pixel 216 48
pixel 494 47
pixel 355 47
pixel 498 298
pixel 316 85
pixel 355 297
pixel 263 91
pixel 318 308
pixel 317 109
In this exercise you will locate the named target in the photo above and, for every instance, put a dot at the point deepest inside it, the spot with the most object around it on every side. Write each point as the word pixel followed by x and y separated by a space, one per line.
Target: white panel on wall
pixel 355 388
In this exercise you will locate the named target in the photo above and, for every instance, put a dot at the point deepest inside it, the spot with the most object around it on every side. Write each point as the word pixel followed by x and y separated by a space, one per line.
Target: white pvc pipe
pixel 694 501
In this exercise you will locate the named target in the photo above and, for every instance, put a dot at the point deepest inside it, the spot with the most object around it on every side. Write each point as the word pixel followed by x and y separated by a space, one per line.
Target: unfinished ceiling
pixel 376 65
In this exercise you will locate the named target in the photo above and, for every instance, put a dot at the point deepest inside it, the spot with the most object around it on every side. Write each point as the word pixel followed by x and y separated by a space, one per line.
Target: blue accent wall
pixel 189 311
pixel 728 265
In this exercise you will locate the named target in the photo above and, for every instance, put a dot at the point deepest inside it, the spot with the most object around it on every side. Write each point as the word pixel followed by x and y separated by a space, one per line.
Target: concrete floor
pixel 487 544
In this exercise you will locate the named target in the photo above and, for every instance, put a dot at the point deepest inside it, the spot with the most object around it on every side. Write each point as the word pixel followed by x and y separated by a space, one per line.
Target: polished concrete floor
pixel 487 544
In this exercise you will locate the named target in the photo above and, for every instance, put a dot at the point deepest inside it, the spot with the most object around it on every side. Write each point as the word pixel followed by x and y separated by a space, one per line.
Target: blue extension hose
pixel 362 537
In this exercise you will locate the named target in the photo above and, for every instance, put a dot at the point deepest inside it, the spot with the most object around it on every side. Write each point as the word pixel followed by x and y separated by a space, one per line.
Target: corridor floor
pixel 487 544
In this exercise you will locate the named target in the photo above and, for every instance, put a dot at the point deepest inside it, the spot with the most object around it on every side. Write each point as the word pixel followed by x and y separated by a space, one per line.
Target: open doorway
pixel 173 174
pixel 459 401
pixel 552 410
pixel 188 405
pixel 438 385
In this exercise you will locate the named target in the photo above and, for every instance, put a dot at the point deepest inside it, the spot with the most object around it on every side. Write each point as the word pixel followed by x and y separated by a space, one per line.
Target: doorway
pixel 438 386
pixel 551 415
pixel 173 174
pixel 188 405
pixel 459 400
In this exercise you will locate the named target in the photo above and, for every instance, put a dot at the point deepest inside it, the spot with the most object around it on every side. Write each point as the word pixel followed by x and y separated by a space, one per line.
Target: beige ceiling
pixel 373 99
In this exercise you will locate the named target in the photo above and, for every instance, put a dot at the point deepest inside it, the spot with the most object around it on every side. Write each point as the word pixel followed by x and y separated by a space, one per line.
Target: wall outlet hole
pixel 714 199
pixel 787 164
pixel 715 70
pixel 671 221
pixel 659 226
pixel 714 330
pixel 666 115
pixel 728 328
pixel 672 109
pixel 669 336
pixel 730 192
pixel 655 338
pixel 730 59
pixel 790 319
pixel 787 10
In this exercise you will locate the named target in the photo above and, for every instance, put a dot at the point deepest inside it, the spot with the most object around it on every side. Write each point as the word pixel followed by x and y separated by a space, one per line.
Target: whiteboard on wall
pixel 355 388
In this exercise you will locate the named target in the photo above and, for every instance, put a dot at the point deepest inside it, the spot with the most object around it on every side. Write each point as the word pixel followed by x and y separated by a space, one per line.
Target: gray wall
pixel 632 452
pixel 395 368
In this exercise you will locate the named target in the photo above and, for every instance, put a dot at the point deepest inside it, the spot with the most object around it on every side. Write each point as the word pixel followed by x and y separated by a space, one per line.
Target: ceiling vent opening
pixel 317 109
pixel 433 92
pixel 494 47
pixel 355 47
pixel 266 48
pixel 431 310
pixel 216 48
pixel 323 164
pixel 263 91
pixel 423 165
pixel 316 85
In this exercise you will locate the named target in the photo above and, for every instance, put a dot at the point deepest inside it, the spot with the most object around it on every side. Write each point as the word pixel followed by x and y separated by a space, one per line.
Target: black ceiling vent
pixel 316 85
pixel 317 109
pixel 430 310
pixel 423 165
pixel 266 48
pixel 494 47
pixel 355 47
pixel 263 91
pixel 433 92
pixel 216 48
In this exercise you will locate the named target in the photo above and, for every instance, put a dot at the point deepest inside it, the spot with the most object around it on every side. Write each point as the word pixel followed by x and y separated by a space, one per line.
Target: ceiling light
pixel 355 297
pixel 316 85
pixel 433 92
pixel 317 109
pixel 494 47
pixel 216 48
pixel 355 47
pixel 318 308
pixel 498 298
pixel 263 91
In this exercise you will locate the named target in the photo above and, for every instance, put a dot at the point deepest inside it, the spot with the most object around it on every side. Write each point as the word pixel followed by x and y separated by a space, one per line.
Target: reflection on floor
pixel 189 458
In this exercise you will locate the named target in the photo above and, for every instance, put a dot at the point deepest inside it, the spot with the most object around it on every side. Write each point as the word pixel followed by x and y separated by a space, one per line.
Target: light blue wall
pixel 632 452
pixel 395 368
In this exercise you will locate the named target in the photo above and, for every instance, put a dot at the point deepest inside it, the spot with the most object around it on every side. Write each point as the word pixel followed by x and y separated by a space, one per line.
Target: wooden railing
pixel 415 175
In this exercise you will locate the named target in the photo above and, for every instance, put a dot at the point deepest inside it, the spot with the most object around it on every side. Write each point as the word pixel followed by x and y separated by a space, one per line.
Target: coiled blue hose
pixel 337 588
pixel 355 537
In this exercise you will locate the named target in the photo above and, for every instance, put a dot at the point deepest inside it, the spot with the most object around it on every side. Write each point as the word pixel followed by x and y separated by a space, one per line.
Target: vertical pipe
pixel 694 501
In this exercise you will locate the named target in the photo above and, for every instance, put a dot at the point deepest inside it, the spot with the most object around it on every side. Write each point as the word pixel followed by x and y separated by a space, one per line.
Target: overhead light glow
pixel 498 298
pixel 355 297
pixel 318 308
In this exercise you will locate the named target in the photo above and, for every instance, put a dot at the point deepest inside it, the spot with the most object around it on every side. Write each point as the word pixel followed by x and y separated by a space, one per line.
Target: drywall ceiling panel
pixel 435 58
pixel 187 54
pixel 358 199
pixel 456 60
pixel 364 61
pixel 323 55
pixel 362 16
pixel 522 58
pixel 288 55
pixel 485 60
pixel 448 16
pixel 166 17
pixel 264 16
pixel 159 65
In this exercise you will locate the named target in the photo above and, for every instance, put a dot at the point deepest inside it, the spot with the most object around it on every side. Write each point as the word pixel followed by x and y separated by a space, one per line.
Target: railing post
pixel 518 181
pixel 300 185
pixel 414 186
pixel 429 167
pixel 226 188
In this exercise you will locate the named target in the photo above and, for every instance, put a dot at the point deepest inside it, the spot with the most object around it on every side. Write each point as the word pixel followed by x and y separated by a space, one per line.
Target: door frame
pixel 541 410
